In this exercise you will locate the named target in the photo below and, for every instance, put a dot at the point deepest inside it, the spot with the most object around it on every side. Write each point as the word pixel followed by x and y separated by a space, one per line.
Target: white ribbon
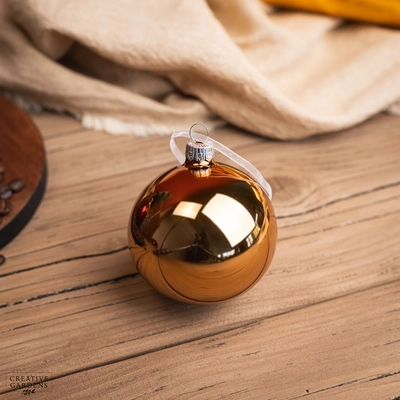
pixel 250 168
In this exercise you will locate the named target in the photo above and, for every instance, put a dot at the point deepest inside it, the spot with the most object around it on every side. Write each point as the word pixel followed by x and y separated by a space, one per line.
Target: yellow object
pixel 385 12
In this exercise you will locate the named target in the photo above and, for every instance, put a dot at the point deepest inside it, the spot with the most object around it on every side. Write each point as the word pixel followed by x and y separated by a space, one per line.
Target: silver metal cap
pixel 199 152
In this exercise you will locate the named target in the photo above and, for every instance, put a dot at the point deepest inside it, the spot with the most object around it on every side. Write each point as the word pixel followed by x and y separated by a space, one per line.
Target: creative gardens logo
pixel 28 383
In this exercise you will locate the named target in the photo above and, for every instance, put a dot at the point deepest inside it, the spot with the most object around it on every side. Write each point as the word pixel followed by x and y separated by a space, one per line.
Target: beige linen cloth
pixel 157 66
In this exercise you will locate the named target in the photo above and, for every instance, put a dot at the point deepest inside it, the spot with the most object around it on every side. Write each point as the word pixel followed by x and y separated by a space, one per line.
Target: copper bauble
pixel 202 233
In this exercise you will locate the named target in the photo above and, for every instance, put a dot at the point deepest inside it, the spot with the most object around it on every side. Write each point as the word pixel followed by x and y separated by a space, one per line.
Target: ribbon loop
pixel 250 168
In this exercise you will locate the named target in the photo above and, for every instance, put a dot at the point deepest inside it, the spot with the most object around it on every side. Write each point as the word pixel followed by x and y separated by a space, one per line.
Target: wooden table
pixel 323 323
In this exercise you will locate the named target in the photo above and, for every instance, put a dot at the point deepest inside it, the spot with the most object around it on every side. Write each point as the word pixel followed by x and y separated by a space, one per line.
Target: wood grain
pixel 323 323
pixel 289 356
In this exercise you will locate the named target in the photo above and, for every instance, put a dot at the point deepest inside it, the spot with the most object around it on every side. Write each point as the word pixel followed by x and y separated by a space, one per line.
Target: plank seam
pixel 256 321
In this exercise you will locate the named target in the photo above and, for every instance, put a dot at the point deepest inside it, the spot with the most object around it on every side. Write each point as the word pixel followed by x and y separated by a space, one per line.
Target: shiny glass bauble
pixel 202 238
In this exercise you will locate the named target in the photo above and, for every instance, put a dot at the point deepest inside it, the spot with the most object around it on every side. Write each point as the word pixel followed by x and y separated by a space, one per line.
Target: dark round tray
pixel 23 156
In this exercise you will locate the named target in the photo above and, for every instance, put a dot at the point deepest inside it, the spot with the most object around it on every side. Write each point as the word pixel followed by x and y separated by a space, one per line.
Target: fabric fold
pixel 159 66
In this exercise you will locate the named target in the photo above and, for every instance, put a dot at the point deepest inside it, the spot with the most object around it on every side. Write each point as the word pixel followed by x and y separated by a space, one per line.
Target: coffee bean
pixel 4 207
pixel 2 259
pixel 6 195
pixel 5 192
pixel 16 185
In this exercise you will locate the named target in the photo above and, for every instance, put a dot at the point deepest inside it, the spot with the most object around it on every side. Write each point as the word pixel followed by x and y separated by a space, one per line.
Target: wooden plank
pixel 325 351
pixel 94 155
pixel 52 125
